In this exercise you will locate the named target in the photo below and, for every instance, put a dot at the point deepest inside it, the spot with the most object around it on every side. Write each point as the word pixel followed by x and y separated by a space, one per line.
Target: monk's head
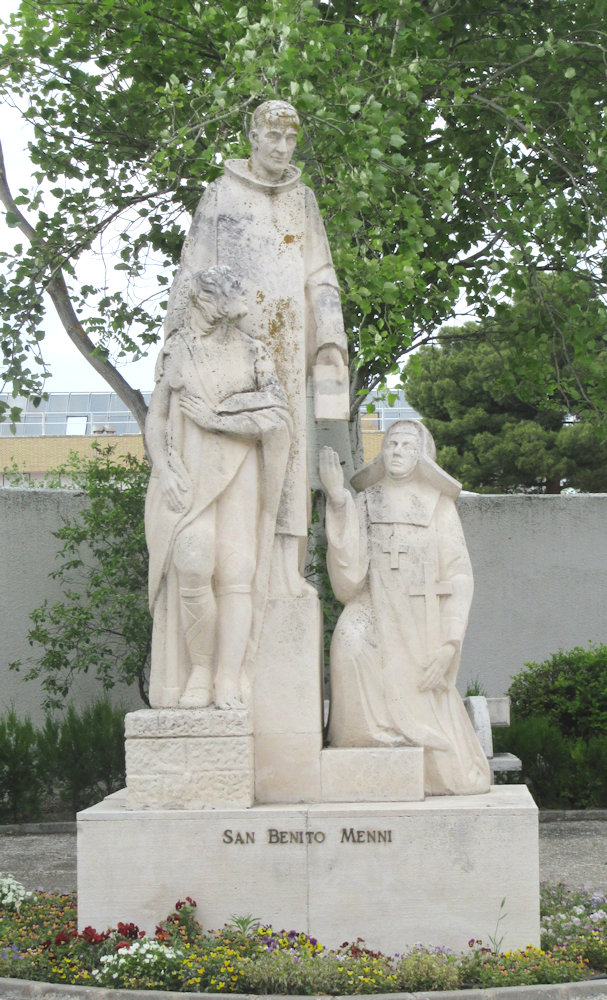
pixel 273 135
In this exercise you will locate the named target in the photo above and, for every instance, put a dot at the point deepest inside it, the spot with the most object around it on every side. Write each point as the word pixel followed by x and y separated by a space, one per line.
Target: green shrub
pixel 90 754
pixel 79 757
pixel 544 755
pixel 559 711
pixel 20 777
pixel 569 689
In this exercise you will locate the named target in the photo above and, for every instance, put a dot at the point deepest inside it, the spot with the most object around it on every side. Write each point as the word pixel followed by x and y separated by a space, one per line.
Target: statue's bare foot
pixel 196 698
pixel 198 691
pixel 227 693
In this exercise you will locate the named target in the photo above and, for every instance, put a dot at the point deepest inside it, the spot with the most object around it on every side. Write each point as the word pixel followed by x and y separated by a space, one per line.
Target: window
pixel 76 425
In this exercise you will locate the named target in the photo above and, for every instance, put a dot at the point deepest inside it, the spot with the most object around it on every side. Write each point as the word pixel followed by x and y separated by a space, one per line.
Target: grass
pixel 39 940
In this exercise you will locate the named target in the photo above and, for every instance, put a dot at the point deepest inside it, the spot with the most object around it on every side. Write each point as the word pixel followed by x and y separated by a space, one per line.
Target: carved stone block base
pixel 188 759
pixel 287 702
pixel 393 873
pixel 372 774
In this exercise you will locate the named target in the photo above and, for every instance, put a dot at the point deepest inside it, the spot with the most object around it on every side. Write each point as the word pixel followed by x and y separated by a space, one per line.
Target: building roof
pixel 71 413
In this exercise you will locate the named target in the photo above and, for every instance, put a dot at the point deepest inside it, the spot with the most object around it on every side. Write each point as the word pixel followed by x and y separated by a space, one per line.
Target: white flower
pixel 12 893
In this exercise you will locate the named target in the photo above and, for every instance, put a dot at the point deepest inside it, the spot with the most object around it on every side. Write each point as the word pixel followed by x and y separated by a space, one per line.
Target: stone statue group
pixel 253 312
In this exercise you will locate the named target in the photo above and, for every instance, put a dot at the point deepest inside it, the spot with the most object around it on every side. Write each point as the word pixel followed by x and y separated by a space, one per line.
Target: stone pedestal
pixel 188 759
pixel 393 873
pixel 372 774
pixel 287 702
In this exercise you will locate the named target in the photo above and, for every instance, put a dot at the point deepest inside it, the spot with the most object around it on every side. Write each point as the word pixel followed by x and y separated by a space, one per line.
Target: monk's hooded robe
pixel 397 558
pixel 272 237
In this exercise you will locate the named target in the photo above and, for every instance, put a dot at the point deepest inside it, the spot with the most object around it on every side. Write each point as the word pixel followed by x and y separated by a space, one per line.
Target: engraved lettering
pixel 296 836
pixel 235 837
pixel 352 836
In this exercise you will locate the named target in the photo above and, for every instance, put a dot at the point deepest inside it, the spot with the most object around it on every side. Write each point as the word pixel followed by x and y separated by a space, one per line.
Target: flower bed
pixel 39 940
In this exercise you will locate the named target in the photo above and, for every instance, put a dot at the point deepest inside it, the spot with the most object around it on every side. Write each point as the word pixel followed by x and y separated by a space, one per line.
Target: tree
pixel 504 420
pixel 454 149
pixel 102 625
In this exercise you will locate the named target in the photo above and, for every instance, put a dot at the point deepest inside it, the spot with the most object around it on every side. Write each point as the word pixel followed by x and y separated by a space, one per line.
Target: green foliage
pixel 524 967
pixel 87 753
pixel 562 772
pixel 20 773
pixel 78 757
pixel 102 626
pixel 499 397
pixel 559 710
pixel 454 149
pixel 569 690
pixel 475 688
pixel 318 575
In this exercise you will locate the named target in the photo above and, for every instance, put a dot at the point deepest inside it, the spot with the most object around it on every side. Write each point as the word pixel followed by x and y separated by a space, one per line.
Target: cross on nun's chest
pixel 394 547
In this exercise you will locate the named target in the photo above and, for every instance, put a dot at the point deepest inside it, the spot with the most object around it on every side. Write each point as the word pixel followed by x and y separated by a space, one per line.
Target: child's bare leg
pixel 194 555
pixel 234 608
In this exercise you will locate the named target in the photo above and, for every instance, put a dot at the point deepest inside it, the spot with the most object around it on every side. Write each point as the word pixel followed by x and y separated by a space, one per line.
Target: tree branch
pixel 60 297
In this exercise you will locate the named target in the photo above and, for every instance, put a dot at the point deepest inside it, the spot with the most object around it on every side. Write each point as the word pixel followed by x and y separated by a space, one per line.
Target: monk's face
pixel 272 146
pixel 400 453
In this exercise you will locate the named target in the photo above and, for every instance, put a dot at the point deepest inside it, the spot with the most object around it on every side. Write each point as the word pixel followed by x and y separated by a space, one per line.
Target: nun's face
pixel 400 453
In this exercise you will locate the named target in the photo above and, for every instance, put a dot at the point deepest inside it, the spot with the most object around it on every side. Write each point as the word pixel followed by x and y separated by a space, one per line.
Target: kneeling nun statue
pixel 397 559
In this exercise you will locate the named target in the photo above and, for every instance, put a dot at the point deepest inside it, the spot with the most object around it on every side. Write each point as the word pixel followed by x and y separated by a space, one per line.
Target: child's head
pixel 218 293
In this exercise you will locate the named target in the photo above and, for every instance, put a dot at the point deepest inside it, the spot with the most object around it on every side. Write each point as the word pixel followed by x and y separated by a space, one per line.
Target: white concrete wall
pixel 28 552
pixel 540 565
pixel 540 569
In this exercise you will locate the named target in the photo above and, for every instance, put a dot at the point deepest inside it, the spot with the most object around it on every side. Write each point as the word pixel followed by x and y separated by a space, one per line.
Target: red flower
pixel 94 937
pixel 130 931
pixel 123 944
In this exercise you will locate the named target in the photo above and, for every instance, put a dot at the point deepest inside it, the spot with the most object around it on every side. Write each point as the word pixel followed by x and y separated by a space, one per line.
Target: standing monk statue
pixel 259 220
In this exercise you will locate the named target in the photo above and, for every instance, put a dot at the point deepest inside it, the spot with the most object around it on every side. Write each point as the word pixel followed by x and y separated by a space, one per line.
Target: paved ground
pixel 572 851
